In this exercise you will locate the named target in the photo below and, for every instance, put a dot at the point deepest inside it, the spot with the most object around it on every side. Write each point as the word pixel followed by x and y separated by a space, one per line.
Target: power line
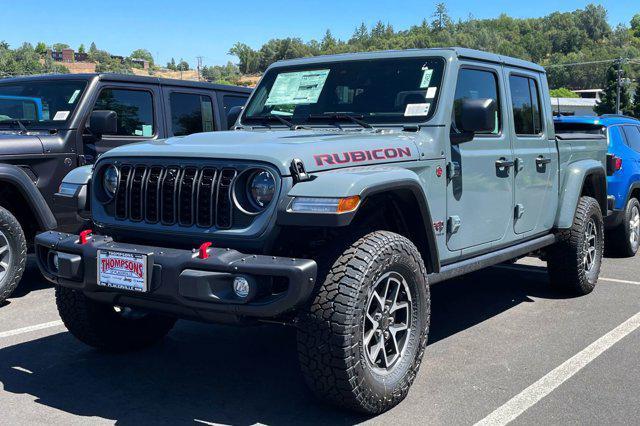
pixel 575 64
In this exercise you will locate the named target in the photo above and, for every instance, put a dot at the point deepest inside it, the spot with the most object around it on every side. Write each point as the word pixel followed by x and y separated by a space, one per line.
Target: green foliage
pixel 225 74
pixel 81 49
pixel 635 25
pixel 182 65
pixel 636 104
pixel 41 49
pixel 172 65
pixel 563 92
pixel 25 60
pixel 58 47
pixel 607 104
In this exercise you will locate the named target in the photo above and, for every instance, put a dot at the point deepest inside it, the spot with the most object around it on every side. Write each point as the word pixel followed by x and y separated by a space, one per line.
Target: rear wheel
pixel 109 328
pixel 624 240
pixel 13 253
pixel 574 261
pixel 362 338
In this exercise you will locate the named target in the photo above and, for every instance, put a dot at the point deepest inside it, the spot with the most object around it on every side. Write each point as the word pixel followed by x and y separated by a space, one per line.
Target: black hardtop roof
pixel 128 78
pixel 460 52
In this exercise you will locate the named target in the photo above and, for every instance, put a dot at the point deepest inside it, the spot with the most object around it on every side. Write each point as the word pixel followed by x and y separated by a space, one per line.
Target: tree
pixel 329 42
pixel 636 102
pixel 92 48
pixel 41 48
pixel 563 92
pixel 81 49
pixel 58 47
pixel 249 58
pixel 441 15
pixel 635 25
pixel 183 65
pixel 142 54
pixel 607 104
pixel 172 65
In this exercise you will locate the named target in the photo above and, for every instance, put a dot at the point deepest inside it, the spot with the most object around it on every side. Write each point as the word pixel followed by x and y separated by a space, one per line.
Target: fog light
pixel 55 261
pixel 241 287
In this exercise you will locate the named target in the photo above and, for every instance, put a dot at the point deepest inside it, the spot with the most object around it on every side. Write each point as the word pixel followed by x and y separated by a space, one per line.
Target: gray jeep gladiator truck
pixel 350 184
pixel 50 124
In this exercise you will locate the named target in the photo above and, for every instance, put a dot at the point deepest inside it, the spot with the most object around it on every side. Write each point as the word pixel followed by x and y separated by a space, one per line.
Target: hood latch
pixel 298 171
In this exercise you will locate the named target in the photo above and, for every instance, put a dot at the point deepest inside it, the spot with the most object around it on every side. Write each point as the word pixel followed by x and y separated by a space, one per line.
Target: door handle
pixel 542 161
pixel 503 163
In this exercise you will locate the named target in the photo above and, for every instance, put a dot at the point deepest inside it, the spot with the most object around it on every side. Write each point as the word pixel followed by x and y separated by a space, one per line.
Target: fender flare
pixel 575 178
pixel 15 176
pixel 349 182
pixel 632 187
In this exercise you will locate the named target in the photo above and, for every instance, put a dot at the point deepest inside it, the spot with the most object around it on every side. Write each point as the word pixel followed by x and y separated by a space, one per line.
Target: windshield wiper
pixel 23 129
pixel 271 117
pixel 334 116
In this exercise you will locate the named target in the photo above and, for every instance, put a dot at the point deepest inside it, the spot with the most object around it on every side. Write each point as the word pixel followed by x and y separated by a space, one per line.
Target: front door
pixel 535 160
pixel 480 195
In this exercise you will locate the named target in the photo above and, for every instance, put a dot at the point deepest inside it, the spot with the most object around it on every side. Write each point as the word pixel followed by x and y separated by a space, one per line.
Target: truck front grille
pixel 172 195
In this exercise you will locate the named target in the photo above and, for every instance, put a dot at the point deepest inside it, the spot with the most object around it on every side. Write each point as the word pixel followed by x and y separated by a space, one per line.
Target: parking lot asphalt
pixel 503 347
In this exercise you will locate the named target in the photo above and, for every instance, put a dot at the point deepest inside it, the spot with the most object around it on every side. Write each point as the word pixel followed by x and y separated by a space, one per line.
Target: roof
pixel 605 120
pixel 131 78
pixel 574 102
pixel 459 52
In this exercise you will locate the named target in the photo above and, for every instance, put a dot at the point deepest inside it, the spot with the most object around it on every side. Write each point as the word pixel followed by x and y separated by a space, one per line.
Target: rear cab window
pixel 525 102
pixel 190 113
pixel 134 109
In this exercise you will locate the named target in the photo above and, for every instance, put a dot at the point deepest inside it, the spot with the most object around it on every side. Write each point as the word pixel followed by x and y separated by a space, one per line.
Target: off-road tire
pixel 99 325
pixel 330 333
pixel 565 260
pixel 618 239
pixel 17 245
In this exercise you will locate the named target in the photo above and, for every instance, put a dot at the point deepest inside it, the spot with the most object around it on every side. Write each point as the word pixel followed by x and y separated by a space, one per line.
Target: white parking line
pixel 30 329
pixel 543 387
pixel 614 280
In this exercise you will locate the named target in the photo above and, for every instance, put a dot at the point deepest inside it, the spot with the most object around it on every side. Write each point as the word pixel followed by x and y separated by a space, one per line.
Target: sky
pixel 187 29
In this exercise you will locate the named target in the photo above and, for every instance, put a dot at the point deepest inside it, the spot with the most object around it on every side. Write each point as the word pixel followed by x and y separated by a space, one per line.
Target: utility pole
pixel 199 58
pixel 618 85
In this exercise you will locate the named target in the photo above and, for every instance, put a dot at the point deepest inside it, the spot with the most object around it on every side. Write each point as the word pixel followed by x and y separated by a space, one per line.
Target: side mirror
pixel 103 122
pixel 232 116
pixel 476 115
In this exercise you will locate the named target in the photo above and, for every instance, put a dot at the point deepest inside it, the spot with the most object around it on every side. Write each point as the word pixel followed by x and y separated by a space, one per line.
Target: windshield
pixel 392 91
pixel 39 104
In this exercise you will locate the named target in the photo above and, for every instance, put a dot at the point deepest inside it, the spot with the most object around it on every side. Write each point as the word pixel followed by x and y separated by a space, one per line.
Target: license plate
pixel 122 270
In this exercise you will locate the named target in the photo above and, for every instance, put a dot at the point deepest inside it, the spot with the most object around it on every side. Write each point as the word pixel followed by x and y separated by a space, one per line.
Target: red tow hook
pixel 203 251
pixel 85 235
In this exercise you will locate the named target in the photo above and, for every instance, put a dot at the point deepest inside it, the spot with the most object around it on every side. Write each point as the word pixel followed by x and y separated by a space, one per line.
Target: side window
pixel 632 134
pixel 477 84
pixel 527 119
pixel 190 113
pixel 134 109
pixel 229 102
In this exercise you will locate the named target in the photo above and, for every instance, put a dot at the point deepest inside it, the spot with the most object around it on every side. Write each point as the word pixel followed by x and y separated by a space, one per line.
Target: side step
pixel 480 262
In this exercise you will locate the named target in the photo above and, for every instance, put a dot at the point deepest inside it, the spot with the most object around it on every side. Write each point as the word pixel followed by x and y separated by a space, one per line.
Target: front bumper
pixel 180 283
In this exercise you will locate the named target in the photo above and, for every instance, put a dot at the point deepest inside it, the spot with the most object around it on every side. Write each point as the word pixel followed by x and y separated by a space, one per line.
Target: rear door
pixel 480 197
pixel 139 117
pixel 535 161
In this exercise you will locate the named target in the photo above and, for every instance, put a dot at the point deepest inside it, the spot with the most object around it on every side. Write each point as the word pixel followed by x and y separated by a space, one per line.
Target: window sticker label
pixel 417 110
pixel 61 116
pixel 426 78
pixel 295 88
pixel 74 96
pixel 147 130
pixel 431 92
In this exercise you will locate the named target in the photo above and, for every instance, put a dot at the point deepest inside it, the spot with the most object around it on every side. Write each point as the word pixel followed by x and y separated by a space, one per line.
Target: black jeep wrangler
pixel 51 124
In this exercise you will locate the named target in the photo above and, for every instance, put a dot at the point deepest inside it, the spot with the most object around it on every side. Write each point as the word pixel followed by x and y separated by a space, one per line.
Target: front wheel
pixel 362 338
pixel 574 261
pixel 13 253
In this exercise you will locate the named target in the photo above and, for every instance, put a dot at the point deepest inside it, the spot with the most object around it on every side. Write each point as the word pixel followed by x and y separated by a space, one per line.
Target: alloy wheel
pixel 590 245
pixel 634 227
pixel 5 256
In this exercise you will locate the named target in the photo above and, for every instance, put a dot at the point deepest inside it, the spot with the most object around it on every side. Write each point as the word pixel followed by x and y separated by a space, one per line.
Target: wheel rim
pixel 590 245
pixel 634 226
pixel 387 322
pixel 5 256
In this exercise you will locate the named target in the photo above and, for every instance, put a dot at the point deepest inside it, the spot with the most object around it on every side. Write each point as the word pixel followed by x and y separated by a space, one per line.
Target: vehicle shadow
pixel 223 374
pixel 32 279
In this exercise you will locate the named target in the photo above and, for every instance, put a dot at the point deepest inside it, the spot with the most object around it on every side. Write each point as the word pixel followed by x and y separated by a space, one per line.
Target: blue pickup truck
pixel 623 182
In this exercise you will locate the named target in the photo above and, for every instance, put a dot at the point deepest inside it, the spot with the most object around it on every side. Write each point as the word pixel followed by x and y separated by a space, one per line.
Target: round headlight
pixel 110 181
pixel 262 186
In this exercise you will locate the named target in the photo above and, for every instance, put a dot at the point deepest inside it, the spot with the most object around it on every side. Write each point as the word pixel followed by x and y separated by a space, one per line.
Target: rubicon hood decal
pixel 360 156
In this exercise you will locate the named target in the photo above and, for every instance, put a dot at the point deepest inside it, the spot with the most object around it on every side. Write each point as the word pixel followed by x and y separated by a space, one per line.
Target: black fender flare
pixel 632 187
pixel 15 176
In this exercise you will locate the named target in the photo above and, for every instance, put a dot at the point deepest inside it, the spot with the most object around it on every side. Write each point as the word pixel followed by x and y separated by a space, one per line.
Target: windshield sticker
pixel 61 116
pixel 74 96
pixel 295 88
pixel 147 130
pixel 431 92
pixel 426 78
pixel 417 110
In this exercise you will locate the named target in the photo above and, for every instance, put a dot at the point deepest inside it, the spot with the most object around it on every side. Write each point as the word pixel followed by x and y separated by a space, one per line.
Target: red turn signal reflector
pixel 348 204
pixel 618 163
pixel 85 235
pixel 203 251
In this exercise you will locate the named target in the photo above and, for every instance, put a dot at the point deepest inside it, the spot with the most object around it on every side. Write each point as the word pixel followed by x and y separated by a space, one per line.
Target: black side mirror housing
pixel 476 115
pixel 103 122
pixel 232 116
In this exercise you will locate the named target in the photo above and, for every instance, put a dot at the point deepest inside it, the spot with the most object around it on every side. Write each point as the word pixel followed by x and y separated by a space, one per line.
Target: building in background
pixel 573 106
pixel 589 93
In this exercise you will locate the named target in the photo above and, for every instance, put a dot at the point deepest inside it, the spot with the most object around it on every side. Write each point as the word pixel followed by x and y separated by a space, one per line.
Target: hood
pixel 13 143
pixel 318 149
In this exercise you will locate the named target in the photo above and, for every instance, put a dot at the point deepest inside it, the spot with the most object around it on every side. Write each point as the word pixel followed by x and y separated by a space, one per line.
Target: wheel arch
pixel 591 179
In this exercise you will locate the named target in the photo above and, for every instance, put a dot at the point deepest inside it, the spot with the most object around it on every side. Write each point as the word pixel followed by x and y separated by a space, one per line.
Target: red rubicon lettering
pixel 129 265
pixel 358 156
